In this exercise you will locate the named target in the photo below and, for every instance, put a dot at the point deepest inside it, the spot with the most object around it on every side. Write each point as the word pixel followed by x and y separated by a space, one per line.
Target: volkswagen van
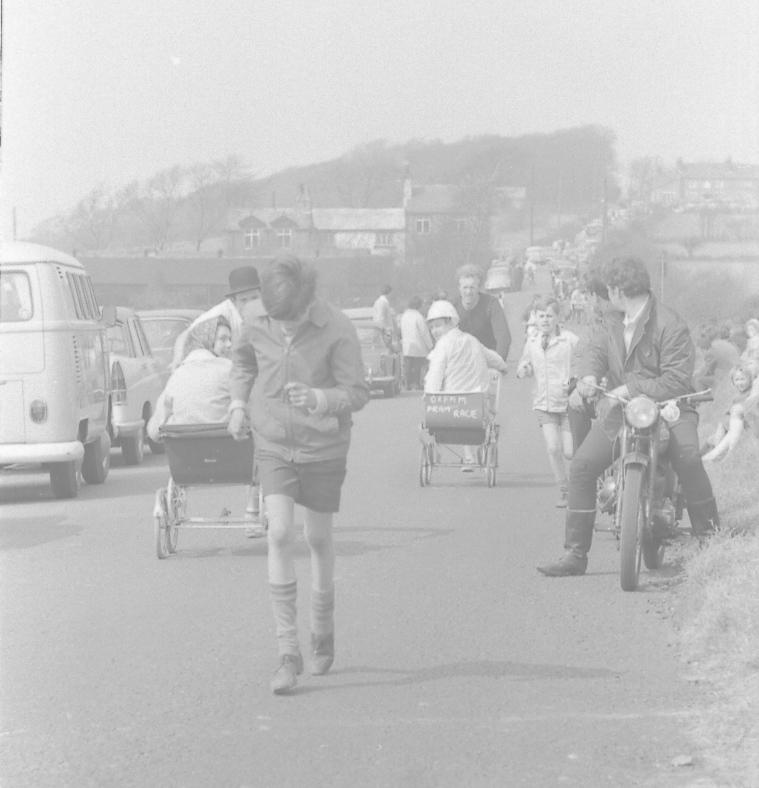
pixel 54 368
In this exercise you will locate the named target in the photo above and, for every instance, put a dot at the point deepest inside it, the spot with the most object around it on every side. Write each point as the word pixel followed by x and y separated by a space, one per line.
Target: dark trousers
pixel 595 454
pixel 413 368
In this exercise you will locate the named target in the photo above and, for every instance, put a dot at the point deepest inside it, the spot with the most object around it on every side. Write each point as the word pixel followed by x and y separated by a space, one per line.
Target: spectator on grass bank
pixel 717 356
pixel 742 413
pixel 751 352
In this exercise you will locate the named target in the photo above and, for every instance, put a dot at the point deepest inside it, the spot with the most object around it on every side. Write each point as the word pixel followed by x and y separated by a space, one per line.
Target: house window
pixel 285 237
pixel 252 238
pixel 384 240
pixel 460 226
pixel 423 225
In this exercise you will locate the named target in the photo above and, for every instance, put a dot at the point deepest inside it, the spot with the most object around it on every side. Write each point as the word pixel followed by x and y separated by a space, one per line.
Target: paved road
pixel 458 664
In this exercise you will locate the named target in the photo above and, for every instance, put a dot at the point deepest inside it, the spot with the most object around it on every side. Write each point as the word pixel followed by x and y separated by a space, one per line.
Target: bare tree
pixel 91 223
pixel 362 174
pixel 156 203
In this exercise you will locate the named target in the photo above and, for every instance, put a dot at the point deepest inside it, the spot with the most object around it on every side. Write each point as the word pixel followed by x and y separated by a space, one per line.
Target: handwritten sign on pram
pixel 461 411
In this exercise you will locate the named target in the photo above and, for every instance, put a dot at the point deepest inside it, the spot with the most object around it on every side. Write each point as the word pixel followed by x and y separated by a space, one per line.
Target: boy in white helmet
pixel 459 361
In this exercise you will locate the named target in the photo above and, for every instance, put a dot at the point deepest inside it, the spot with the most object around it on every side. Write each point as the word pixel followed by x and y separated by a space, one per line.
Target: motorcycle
pixel 640 490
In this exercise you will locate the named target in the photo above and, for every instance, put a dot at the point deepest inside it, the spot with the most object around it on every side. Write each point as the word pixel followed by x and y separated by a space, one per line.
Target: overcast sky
pixel 111 90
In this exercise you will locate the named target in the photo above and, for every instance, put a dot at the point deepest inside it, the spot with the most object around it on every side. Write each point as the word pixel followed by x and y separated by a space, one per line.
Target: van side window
pixel 92 297
pixel 89 301
pixel 80 305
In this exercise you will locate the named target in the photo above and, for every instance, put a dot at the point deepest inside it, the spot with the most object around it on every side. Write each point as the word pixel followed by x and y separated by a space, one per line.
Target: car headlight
pixel 641 412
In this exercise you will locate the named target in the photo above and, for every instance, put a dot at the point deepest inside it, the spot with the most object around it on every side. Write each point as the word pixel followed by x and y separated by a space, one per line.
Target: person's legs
pixel 685 456
pixel 283 589
pixel 592 457
pixel 318 532
pixel 552 438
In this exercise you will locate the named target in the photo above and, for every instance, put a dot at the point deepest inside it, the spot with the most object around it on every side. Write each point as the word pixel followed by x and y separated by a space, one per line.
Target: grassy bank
pixel 718 617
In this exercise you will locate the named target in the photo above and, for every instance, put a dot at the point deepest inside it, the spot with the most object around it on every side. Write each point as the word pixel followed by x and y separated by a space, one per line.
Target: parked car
pixel 162 327
pixel 54 371
pixel 381 357
pixel 135 383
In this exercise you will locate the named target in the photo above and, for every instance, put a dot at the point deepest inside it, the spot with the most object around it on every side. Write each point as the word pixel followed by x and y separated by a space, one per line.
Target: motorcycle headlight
pixel 641 412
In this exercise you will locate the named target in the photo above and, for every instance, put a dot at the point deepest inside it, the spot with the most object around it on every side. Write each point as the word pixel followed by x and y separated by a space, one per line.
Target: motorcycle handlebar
pixel 695 397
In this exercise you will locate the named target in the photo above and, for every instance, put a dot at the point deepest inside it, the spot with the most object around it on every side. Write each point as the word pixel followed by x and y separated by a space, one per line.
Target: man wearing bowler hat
pixel 243 287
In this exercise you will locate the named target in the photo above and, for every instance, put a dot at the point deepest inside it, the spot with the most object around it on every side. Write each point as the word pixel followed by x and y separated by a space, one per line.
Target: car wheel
pixel 97 460
pixel 132 449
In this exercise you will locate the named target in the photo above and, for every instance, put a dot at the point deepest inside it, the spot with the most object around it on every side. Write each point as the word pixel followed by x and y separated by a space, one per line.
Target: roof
pixel 269 217
pixel 22 252
pixel 725 170
pixel 435 198
pixel 336 219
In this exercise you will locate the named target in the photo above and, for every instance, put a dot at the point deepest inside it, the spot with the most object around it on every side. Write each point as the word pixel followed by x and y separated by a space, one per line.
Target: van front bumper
pixel 12 453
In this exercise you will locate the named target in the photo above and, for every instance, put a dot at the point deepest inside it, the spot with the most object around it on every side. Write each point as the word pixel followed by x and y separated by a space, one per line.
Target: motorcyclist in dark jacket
pixel 644 348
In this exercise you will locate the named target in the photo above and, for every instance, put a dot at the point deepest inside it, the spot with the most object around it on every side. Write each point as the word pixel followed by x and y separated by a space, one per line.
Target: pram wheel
pixel 160 519
pixel 491 462
pixel 425 465
pixel 176 498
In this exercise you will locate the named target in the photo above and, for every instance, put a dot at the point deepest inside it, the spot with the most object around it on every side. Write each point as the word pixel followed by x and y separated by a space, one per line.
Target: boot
pixel 283 601
pixel 285 677
pixel 704 517
pixel 322 631
pixel 578 536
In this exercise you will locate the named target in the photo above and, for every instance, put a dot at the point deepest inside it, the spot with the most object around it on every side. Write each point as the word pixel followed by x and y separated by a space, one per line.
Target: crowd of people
pixel 275 359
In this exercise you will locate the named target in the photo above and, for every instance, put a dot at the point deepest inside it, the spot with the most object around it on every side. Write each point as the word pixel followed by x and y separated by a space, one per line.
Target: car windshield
pixel 163 331
pixel 371 338
pixel 15 297
pixel 118 339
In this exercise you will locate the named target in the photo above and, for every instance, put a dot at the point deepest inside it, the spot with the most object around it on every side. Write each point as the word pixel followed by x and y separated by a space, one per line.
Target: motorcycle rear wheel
pixel 631 514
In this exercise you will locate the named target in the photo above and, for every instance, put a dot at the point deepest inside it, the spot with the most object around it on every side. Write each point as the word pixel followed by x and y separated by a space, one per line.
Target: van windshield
pixel 15 297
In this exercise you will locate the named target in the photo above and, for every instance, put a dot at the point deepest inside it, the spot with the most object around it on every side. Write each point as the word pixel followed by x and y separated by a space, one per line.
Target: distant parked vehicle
pixel 381 357
pixel 162 327
pixel 135 383
pixel 54 373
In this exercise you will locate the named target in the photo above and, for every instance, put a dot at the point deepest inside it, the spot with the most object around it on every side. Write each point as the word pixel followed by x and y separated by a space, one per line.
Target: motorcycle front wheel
pixel 631 518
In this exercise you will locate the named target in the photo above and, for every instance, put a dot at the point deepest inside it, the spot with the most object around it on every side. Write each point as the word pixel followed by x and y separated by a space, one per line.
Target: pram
pixel 201 455
pixel 453 420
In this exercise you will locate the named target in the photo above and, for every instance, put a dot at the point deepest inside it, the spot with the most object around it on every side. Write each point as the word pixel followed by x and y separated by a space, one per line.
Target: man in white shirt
pixel 383 314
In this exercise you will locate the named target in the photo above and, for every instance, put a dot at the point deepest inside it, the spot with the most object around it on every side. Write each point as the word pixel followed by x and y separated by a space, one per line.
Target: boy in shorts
pixel 548 356
pixel 300 366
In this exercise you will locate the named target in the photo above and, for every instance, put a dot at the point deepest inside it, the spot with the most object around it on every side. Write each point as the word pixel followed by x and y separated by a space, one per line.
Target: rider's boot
pixel 578 534
pixel 283 600
pixel 322 631
pixel 704 517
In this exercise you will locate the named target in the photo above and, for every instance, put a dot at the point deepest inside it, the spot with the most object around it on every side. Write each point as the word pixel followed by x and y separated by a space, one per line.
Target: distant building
pixel 726 185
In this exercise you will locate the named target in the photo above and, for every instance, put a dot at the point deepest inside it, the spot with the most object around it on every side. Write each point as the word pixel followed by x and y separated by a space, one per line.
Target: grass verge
pixel 718 615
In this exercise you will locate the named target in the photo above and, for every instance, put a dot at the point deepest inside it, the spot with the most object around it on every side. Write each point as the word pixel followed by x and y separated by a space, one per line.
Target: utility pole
pixel 604 217
pixel 532 204
pixel 14 223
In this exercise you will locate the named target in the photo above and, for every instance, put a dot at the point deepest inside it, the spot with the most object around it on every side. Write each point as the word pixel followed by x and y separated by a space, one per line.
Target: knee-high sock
pixel 322 611
pixel 283 602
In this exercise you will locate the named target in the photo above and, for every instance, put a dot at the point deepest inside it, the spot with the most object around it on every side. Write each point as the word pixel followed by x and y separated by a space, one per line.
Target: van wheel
pixel 132 449
pixel 64 479
pixel 97 460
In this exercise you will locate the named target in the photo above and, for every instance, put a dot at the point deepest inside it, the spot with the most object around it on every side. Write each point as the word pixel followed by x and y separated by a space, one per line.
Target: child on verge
pixel 548 356
pixel 745 381
pixel 459 362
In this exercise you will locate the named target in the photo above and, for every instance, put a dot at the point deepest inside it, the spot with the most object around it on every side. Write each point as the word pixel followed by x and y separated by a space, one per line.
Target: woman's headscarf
pixel 202 335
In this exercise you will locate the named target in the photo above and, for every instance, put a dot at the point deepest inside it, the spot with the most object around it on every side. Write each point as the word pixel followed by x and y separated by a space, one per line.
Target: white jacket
pixel 415 336
pixel 552 368
pixel 197 392
pixel 459 362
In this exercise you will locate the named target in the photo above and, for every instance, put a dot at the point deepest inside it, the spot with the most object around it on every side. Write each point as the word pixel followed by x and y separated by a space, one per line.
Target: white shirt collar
pixel 630 321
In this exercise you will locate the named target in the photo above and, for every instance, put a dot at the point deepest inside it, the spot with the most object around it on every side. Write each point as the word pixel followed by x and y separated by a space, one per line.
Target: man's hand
pixel 299 395
pixel 586 387
pixel 619 391
pixel 237 426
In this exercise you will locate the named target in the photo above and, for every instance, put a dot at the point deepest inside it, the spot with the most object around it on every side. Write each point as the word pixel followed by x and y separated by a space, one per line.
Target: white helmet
pixel 443 309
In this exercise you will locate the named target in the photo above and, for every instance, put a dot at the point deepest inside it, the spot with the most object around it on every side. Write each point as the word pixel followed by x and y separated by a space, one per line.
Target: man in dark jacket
pixel 481 314
pixel 645 349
